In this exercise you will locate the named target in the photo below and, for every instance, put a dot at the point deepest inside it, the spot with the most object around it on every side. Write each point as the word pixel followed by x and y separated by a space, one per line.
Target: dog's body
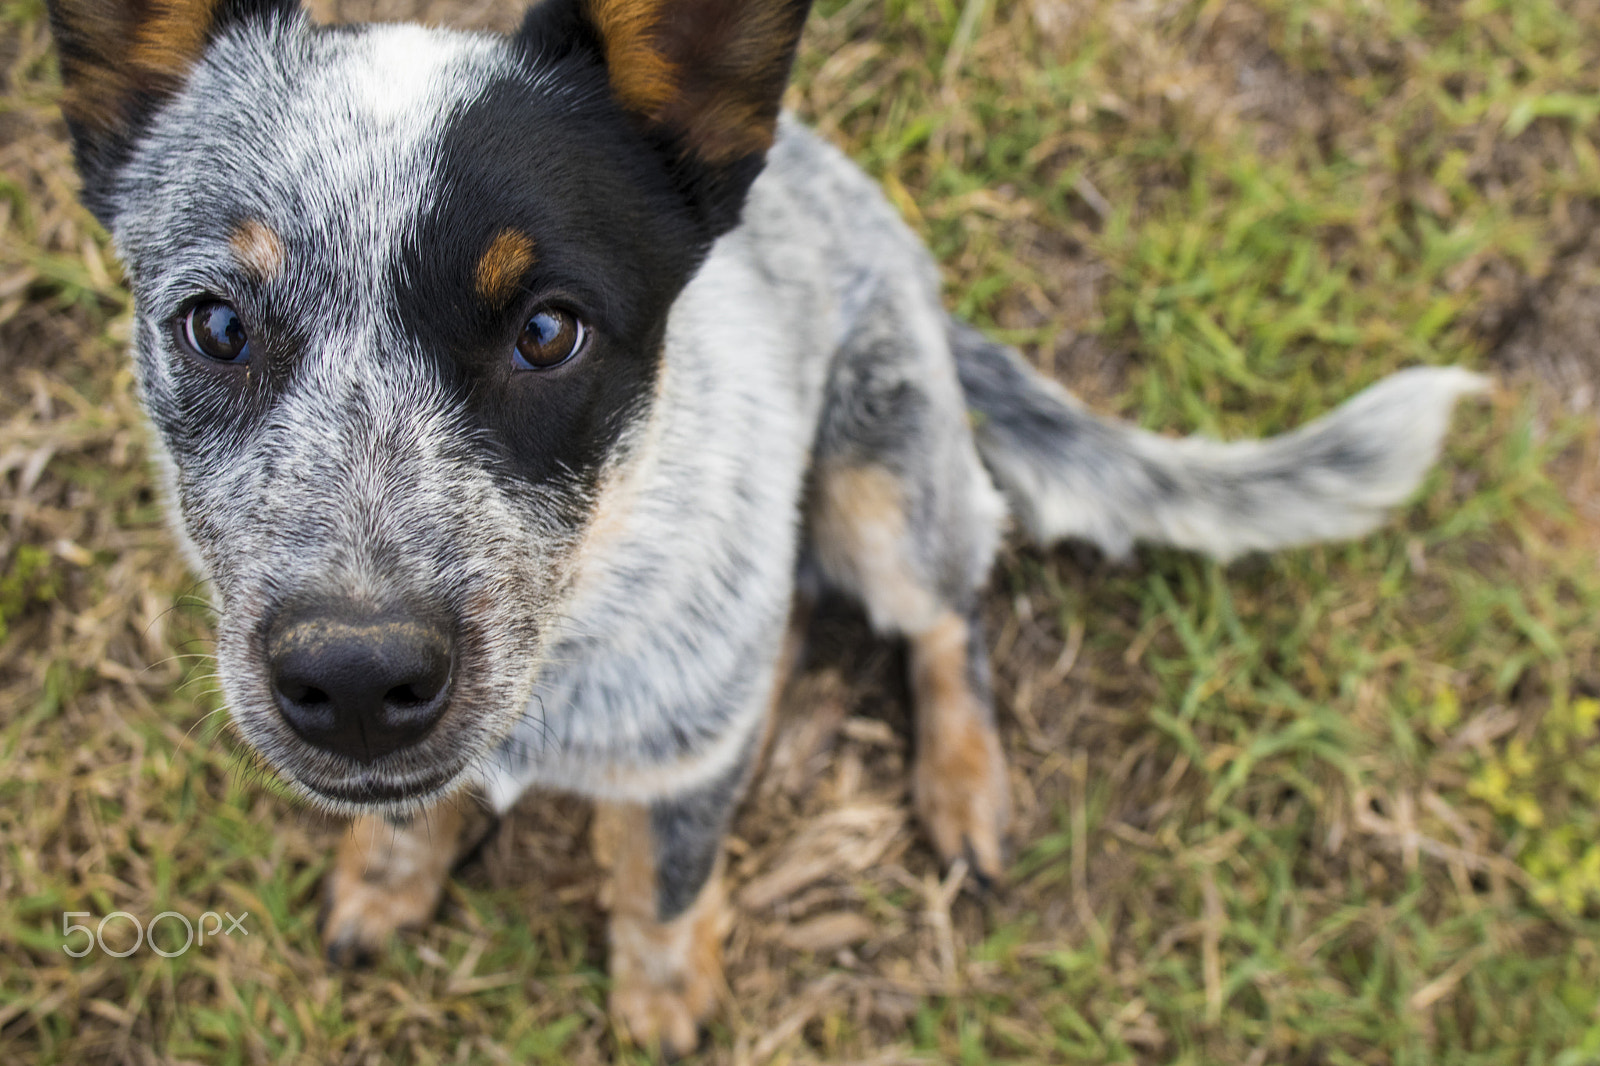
pixel 357 255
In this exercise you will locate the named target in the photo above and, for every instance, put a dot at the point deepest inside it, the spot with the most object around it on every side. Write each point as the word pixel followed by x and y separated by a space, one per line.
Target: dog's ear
pixel 704 77
pixel 120 59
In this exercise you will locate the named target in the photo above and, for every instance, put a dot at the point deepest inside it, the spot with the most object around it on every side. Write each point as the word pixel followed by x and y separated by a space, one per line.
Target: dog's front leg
pixel 390 875
pixel 669 913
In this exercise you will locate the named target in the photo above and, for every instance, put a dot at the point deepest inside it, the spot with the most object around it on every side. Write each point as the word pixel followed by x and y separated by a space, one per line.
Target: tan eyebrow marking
pixel 258 249
pixel 507 258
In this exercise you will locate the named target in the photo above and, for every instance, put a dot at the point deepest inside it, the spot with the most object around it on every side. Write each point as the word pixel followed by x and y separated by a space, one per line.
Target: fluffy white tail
pixel 1070 473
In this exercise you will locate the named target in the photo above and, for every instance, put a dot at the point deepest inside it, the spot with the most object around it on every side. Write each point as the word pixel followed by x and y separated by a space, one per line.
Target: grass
pixel 1335 806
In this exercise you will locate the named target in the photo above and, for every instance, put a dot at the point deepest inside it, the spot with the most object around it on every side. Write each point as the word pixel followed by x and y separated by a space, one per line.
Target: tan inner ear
pixel 641 75
pixel 709 71
pixel 119 49
pixel 94 97
pixel 729 130
pixel 171 38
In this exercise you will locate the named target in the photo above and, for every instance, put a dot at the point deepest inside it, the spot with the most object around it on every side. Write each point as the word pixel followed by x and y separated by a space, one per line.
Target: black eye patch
pixel 556 237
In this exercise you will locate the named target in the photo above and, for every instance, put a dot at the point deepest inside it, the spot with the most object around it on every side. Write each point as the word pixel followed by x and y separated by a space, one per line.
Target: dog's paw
pixel 666 976
pixel 385 878
pixel 359 916
pixel 964 799
pixel 664 1018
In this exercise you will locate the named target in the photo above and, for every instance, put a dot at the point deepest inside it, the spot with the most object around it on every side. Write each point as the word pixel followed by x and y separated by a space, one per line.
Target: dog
pixel 510 391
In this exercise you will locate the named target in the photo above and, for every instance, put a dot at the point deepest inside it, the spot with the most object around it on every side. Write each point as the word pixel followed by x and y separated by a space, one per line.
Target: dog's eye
pixel 550 337
pixel 213 329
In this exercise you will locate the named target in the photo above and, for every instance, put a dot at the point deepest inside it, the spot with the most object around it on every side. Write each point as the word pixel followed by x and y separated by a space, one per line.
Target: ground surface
pixel 1336 806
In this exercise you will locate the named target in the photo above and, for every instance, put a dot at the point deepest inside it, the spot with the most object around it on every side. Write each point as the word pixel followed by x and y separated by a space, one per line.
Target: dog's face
pixel 401 297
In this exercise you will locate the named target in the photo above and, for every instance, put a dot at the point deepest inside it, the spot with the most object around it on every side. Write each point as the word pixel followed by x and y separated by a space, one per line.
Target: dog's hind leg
pixel 390 875
pixel 903 518
pixel 959 779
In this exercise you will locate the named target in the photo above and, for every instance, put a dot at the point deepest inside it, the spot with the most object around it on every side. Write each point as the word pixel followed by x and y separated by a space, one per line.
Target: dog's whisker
pixel 189 733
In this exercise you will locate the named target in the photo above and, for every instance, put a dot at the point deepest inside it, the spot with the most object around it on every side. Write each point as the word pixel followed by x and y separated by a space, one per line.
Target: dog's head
pixel 401 296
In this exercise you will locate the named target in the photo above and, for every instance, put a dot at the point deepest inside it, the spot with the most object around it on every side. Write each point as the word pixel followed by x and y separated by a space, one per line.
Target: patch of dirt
pixel 1552 333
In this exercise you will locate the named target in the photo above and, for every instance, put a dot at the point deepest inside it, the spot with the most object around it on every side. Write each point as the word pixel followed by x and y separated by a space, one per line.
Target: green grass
pixel 1334 806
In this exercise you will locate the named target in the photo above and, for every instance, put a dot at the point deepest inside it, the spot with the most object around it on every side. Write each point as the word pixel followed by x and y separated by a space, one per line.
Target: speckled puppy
pixel 510 387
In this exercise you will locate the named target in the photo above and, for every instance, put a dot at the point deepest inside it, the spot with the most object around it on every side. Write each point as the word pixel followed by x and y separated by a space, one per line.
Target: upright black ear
pixel 704 77
pixel 120 59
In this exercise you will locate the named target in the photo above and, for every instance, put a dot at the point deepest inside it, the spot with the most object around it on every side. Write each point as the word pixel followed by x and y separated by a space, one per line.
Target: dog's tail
pixel 1070 473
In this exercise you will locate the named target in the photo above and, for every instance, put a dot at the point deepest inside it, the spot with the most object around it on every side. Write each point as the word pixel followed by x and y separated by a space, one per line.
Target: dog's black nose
pixel 360 686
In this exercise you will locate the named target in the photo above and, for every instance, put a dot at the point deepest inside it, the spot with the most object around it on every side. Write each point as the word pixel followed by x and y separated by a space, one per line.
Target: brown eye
pixel 550 337
pixel 213 329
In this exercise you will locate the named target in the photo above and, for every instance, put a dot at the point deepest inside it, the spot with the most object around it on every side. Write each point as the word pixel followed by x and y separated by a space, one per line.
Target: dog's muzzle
pixel 358 684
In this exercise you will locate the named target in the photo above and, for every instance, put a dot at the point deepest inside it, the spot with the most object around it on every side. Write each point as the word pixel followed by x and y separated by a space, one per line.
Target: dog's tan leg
pixel 869 545
pixel 666 957
pixel 959 781
pixel 390 876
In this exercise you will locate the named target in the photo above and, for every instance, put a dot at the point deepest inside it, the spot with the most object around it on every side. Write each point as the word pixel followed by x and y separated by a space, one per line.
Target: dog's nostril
pixel 406 695
pixel 361 687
